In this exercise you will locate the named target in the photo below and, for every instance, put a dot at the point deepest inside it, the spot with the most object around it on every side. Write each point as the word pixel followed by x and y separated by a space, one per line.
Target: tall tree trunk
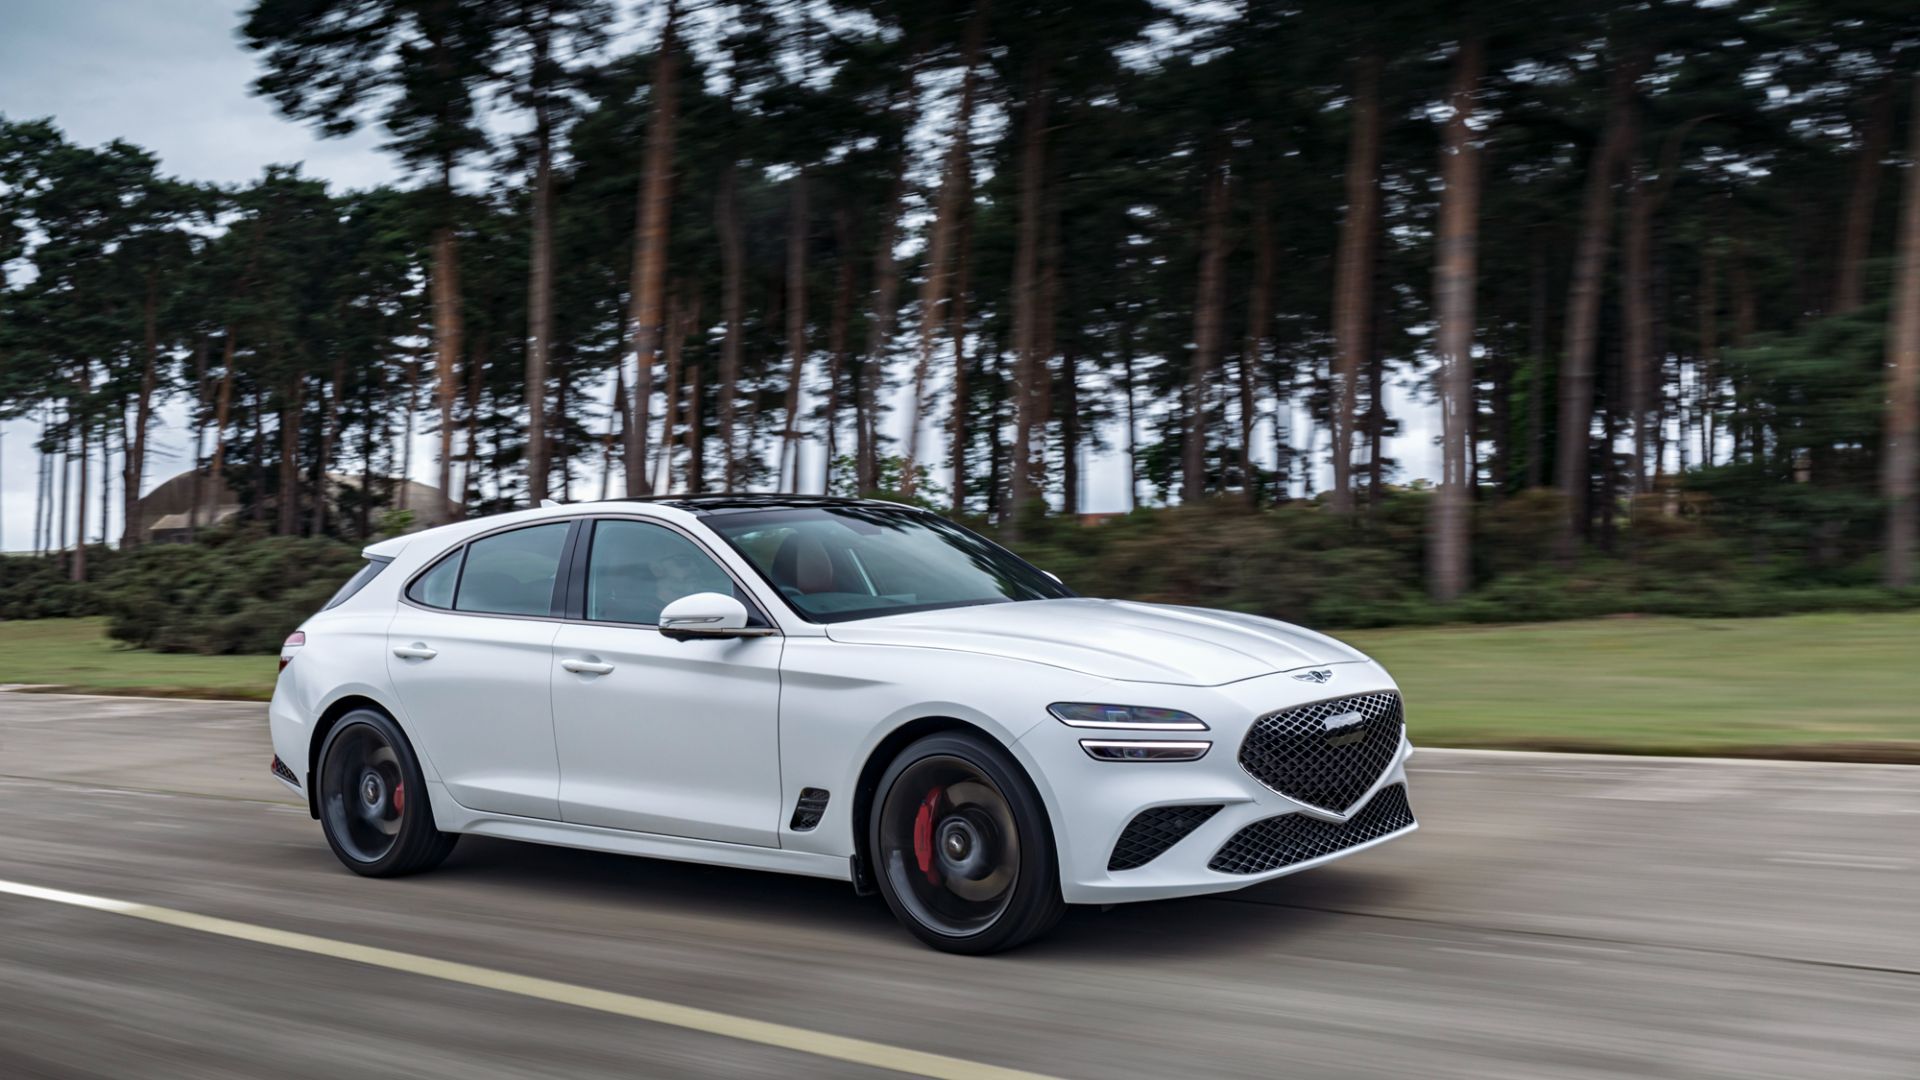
pixel 886 306
pixel 1537 360
pixel 616 421
pixel 797 235
pixel 650 247
pixel 1127 379
pixel 936 285
pixel 477 364
pixel 1353 274
pixel 78 567
pixel 447 331
pixel 1208 329
pixel 837 333
pixel 695 438
pixel 133 531
pixel 1747 414
pixel 222 411
pixel 1455 277
pixel 540 259
pixel 732 268
pixel 1259 300
pixel 1070 431
pixel 1644 199
pixel 1707 371
pixel 678 319
pixel 1900 464
pixel 1856 231
pixel 65 465
pixel 330 439
pixel 1030 367
pixel 288 521
pixel 1583 305
pixel 957 330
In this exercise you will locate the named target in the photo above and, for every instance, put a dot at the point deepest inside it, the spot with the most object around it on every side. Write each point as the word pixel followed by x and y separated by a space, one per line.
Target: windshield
pixel 838 563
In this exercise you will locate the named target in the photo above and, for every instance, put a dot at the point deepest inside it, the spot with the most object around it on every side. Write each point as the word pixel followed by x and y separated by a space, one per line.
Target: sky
pixel 172 77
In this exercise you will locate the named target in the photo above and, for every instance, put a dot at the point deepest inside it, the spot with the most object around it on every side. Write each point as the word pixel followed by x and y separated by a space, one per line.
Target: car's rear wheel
pixel 373 800
pixel 961 846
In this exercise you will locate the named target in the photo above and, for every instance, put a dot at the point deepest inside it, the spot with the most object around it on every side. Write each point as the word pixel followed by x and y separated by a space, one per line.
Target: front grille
pixel 1154 831
pixel 1295 753
pixel 1274 842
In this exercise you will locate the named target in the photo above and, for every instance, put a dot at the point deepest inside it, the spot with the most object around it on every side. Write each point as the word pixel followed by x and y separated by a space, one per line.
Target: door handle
pixel 586 667
pixel 415 651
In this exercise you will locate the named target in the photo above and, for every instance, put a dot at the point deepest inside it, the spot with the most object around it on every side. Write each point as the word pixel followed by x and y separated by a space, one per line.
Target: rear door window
pixel 512 573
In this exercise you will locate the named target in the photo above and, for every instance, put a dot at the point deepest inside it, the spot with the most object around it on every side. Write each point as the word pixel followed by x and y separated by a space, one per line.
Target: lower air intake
pixel 1274 842
pixel 1154 831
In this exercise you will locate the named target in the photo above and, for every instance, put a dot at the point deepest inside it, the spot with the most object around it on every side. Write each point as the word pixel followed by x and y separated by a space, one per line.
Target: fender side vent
pixel 808 811
pixel 280 770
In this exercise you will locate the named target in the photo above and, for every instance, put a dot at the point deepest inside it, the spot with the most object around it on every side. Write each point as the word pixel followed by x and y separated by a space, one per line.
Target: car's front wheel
pixel 373 800
pixel 962 850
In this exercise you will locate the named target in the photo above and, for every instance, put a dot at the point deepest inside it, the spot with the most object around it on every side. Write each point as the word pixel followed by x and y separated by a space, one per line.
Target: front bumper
pixel 1095 801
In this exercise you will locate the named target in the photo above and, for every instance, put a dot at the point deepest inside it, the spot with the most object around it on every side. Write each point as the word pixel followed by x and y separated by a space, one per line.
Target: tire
pixel 961 847
pixel 373 800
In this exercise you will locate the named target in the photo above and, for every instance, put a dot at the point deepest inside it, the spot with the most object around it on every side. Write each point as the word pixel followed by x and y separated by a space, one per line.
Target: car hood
pixel 1111 639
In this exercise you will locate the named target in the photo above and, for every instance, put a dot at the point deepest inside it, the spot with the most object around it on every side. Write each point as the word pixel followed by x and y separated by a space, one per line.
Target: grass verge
pixel 77 655
pixel 1829 686
pixel 1842 687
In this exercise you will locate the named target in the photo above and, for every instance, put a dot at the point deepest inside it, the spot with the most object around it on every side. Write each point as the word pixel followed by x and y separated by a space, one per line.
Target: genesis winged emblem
pixel 1317 675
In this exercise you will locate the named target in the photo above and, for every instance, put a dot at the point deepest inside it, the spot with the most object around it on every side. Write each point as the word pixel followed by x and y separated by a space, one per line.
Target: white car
pixel 843 688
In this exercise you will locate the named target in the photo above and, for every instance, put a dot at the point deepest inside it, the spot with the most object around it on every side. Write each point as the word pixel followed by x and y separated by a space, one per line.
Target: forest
pixel 1652 270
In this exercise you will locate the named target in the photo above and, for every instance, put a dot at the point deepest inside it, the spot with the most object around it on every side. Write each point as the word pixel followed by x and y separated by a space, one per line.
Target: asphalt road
pixel 1557 916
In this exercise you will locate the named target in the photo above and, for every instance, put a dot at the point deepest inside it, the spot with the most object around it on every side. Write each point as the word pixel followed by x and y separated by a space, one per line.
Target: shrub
pixel 230 593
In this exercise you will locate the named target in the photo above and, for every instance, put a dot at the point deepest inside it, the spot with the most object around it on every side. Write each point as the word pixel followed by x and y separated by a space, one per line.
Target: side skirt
pixel 452 817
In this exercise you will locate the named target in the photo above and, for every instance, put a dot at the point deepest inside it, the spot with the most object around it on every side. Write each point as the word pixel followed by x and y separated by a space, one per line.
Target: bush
pixel 229 593
pixel 37 587
pixel 1302 563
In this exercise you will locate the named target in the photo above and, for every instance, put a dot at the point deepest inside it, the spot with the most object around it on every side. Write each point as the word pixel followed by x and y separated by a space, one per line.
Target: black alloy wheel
pixel 373 801
pixel 963 852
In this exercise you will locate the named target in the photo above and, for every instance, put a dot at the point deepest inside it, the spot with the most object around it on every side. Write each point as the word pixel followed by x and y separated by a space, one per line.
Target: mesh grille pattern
pixel 1290 838
pixel 1154 831
pixel 1295 753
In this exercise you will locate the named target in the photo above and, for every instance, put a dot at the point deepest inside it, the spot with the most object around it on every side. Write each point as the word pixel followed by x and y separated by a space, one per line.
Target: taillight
pixel 294 640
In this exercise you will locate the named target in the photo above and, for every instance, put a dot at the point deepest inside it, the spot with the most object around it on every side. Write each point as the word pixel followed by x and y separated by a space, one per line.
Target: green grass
pixel 78 654
pixel 1834 685
pixel 1828 685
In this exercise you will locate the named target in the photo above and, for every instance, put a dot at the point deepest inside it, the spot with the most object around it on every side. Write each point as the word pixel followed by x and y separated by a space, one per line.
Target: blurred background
pixel 1372 317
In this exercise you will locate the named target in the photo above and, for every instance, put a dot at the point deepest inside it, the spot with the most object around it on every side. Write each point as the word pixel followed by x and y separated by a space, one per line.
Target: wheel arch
pixel 329 717
pixel 889 747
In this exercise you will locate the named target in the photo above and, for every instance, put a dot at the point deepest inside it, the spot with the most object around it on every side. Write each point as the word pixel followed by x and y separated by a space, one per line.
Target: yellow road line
pixel 820 1044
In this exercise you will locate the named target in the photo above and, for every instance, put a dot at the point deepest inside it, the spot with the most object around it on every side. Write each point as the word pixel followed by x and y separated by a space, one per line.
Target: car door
pixel 658 735
pixel 470 654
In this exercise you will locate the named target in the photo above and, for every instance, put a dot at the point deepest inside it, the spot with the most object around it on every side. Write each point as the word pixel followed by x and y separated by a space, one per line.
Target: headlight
pixel 1124 717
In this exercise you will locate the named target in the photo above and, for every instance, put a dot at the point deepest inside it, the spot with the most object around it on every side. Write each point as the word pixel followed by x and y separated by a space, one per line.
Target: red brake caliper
pixel 399 798
pixel 923 834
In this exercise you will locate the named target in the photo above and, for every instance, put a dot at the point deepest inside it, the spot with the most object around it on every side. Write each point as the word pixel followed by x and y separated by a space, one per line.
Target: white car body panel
pixel 482 707
pixel 697 750
pixel 681 738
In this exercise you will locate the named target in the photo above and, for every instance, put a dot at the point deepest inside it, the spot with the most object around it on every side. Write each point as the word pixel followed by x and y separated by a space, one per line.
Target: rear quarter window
pixel 357 582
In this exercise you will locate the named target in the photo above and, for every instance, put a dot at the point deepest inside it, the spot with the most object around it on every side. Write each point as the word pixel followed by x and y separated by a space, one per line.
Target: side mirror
pixel 706 614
